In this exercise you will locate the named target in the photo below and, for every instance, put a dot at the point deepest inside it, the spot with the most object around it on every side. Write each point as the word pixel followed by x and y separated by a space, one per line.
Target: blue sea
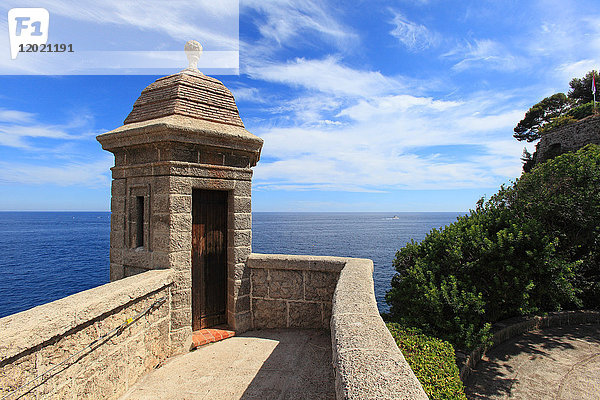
pixel 48 255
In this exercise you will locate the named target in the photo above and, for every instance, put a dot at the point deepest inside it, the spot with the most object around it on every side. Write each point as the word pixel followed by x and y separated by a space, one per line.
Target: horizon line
pixel 391 212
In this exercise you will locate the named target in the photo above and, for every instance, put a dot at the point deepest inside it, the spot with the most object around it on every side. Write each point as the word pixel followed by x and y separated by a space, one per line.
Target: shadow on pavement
pixel 497 373
pixel 299 367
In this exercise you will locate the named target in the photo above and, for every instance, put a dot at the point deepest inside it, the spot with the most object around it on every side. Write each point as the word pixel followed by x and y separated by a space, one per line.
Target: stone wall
pixel 35 341
pixel 367 362
pixel 289 291
pixel 338 293
pixel 570 137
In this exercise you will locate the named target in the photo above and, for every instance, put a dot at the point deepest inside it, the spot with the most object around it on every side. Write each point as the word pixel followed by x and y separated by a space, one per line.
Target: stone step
pixel 210 335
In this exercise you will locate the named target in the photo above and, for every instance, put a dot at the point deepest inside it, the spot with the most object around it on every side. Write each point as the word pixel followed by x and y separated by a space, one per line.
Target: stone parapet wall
pixel 338 293
pixel 36 341
pixel 367 362
pixel 288 291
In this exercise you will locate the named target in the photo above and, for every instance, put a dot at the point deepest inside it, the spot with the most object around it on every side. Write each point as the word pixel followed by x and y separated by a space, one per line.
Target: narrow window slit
pixel 139 233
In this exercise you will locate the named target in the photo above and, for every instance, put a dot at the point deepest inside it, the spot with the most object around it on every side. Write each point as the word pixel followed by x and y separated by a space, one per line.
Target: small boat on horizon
pixel 395 217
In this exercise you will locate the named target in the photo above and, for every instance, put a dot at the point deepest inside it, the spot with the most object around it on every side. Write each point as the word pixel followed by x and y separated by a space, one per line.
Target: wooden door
pixel 209 258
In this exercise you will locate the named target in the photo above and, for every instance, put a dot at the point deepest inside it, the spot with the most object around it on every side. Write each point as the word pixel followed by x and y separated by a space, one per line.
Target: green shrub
pixel 573 115
pixel 556 122
pixel 432 361
pixel 563 195
pixel 533 247
pixel 582 111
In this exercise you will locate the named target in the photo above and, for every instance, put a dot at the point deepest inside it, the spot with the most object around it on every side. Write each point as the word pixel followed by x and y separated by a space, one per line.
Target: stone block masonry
pixel 280 291
pixel 36 341
pixel 333 292
pixel 570 137
pixel 292 291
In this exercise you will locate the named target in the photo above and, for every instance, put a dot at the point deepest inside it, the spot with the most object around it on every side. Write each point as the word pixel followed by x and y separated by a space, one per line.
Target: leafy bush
pixel 563 195
pixel 432 361
pixel 582 111
pixel 574 114
pixel 555 123
pixel 532 247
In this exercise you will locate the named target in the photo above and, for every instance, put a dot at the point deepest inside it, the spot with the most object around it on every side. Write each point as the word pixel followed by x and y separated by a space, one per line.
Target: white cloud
pixel 287 21
pixel 478 123
pixel 564 44
pixel 366 109
pixel 386 135
pixel 329 122
pixel 487 54
pixel 355 167
pixel 359 130
pixel 297 25
pixel 247 94
pixel 501 157
pixel 388 148
pixel 62 147
pixel 92 174
pixel 414 36
pixel 14 135
pixel 326 75
pixel 15 116
pixel 307 110
pixel 18 128
pixel 576 69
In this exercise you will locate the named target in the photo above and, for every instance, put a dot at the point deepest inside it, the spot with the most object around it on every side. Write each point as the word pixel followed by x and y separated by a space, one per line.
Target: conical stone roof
pixel 189 108
pixel 187 93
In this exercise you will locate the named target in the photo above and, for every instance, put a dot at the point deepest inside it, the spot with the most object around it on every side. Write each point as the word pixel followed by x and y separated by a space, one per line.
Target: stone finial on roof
pixel 188 93
pixel 193 51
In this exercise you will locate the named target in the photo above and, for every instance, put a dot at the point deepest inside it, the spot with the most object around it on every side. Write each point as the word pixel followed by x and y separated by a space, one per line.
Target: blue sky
pixel 363 106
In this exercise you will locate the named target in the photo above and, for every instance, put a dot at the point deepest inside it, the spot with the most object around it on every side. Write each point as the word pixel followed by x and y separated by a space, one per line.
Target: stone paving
pixel 268 364
pixel 554 363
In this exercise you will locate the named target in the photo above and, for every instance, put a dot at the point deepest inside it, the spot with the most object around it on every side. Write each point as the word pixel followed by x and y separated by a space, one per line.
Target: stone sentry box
pixel 183 134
